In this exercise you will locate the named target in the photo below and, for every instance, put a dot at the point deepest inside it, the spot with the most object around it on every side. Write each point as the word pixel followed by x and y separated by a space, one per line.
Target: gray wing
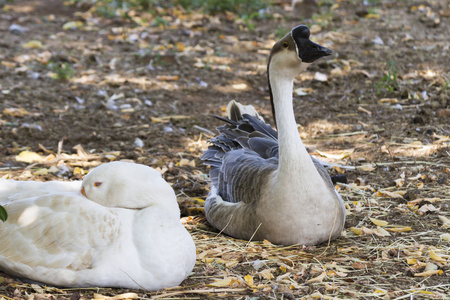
pixel 243 155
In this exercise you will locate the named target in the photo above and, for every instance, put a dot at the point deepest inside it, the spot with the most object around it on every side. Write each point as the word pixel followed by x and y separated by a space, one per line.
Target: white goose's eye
pixel 97 184
pixel 285 44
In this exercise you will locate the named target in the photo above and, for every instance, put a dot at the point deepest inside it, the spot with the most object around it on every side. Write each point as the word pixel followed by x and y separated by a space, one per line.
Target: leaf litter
pixel 395 244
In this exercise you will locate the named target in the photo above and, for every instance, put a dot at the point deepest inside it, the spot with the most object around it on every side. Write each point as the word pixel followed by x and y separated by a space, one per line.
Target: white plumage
pixel 125 233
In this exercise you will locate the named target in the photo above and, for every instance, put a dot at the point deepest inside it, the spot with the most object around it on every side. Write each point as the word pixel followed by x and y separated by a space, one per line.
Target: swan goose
pixel 124 232
pixel 264 184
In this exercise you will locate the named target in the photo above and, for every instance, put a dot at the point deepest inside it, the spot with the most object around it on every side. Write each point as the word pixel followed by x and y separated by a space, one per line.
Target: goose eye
pixel 285 44
pixel 97 184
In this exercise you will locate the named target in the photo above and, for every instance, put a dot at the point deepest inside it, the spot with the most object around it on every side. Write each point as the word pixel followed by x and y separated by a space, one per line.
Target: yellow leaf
pixel 72 25
pixel 210 260
pixel 420 185
pixel 426 292
pixel 28 157
pixel 33 44
pixel 8 64
pixel 399 229
pixel 180 46
pixel 378 222
pixel 357 231
pixel 318 278
pixel 396 194
pixel 228 281
pixel 267 243
pixel 249 280
pixel 317 295
pixel 78 171
pixel 411 261
pixel 42 171
pixel 239 86
pixel 429 273
pixel 16 112
pixel 436 257
pixel 373 16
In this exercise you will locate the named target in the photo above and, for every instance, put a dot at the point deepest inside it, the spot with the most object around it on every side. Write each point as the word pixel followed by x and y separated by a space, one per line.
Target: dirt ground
pixel 78 89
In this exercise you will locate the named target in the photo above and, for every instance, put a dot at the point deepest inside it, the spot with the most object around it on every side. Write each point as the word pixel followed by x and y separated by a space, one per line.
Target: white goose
pixel 265 185
pixel 125 232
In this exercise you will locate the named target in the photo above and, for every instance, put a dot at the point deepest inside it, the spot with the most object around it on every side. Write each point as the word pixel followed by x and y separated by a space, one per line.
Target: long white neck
pixel 292 153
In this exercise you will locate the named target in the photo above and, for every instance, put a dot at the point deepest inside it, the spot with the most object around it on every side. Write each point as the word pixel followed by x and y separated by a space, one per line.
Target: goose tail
pixel 235 111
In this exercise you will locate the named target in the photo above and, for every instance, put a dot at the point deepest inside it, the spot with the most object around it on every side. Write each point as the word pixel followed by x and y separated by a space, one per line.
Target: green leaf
pixel 3 214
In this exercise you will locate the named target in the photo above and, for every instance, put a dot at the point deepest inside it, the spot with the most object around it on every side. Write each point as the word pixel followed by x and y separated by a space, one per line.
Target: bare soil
pixel 129 90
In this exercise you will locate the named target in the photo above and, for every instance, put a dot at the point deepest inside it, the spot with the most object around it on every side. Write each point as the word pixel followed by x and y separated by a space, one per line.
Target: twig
pixel 199 292
pixel 205 130
pixel 253 235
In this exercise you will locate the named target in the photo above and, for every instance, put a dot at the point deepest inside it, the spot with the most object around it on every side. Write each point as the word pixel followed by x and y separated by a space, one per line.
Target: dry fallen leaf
pixel 399 229
pixel 445 222
pixel 445 237
pixel 42 171
pixel 228 281
pixel 366 168
pixel 167 77
pixel 16 112
pixel 381 232
pixel 266 274
pixel 72 25
pixel 429 273
pixel 239 86
pixel 334 156
pixel 28 157
pixel 249 280
pixel 33 44
pixel 357 231
pixel 318 278
pixel 436 257
pixel 426 208
pixel 378 222
pixel 396 194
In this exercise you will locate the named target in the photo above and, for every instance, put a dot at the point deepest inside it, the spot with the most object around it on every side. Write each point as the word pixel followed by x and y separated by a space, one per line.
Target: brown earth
pixel 384 108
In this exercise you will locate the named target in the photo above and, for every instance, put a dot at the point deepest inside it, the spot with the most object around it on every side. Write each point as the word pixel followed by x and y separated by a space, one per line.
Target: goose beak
pixel 307 50
pixel 83 192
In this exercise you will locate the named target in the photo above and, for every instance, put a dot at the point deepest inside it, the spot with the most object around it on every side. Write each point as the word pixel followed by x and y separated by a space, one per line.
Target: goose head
pixel 128 185
pixel 295 52
pixel 291 55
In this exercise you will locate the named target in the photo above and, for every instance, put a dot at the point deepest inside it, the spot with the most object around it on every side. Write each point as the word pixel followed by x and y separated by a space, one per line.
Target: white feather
pixel 57 236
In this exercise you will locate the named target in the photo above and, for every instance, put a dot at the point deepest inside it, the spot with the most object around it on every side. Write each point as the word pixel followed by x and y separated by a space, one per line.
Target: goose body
pixel 264 184
pixel 125 232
